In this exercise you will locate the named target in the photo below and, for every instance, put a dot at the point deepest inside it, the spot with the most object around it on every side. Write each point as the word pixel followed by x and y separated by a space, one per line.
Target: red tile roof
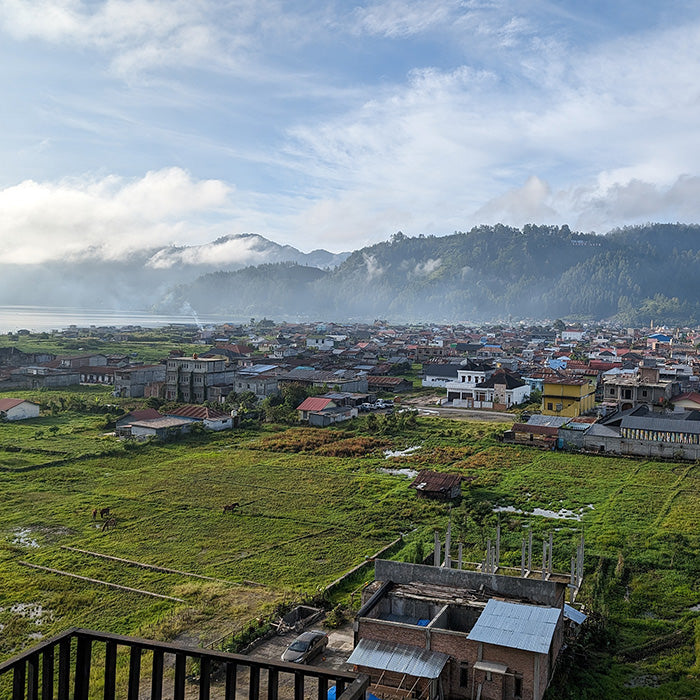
pixel 7 404
pixel 142 414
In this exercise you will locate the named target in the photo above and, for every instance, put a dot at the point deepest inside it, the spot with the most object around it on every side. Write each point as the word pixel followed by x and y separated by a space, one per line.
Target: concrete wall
pixel 22 411
pixel 537 591
pixel 638 448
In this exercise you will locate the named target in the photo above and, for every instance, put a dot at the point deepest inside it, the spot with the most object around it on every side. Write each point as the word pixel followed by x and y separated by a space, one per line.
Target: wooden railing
pixel 82 664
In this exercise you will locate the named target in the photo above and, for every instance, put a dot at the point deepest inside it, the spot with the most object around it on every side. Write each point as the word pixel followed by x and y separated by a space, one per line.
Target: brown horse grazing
pixel 231 507
pixel 104 512
pixel 94 513
pixel 111 523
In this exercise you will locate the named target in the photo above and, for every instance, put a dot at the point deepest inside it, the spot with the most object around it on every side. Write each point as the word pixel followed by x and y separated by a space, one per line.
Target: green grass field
pixel 308 513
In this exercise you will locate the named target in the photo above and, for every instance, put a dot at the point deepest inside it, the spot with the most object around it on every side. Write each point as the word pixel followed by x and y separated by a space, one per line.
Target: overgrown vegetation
pixel 313 503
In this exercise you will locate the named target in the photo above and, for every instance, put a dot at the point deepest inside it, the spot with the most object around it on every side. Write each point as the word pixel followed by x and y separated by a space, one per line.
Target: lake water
pixel 47 318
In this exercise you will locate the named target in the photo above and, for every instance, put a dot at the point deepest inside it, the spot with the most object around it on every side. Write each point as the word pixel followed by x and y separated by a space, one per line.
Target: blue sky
pixel 130 124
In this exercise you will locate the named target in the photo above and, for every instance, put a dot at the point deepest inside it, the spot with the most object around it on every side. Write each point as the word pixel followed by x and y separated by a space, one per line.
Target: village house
pixel 210 418
pixel 499 391
pixel 163 428
pixel 188 379
pixel 469 374
pixel 642 386
pixel 340 380
pixel 18 409
pixel 131 382
pixel 123 424
pixel 568 395
pixel 322 411
pixel 439 375
pixel 260 379
pixel 388 384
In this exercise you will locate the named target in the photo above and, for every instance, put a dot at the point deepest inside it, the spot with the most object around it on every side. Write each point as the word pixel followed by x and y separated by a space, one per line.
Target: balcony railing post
pixel 33 677
pixel 134 672
pixel 82 668
pixel 157 675
pixel 272 683
pixel 47 671
pixel 298 685
pixel 254 682
pixel 64 669
pixel 179 690
pixel 322 689
pixel 110 670
pixel 204 678
pixel 18 681
pixel 231 681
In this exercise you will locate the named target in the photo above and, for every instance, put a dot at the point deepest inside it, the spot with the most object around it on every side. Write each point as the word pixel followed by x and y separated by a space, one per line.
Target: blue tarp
pixel 331 694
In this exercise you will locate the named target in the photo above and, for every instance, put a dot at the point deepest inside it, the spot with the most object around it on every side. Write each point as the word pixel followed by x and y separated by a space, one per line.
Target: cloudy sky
pixel 132 123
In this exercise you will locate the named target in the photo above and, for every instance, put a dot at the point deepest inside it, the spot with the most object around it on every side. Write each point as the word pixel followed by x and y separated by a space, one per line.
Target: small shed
pixel 18 409
pixel 438 485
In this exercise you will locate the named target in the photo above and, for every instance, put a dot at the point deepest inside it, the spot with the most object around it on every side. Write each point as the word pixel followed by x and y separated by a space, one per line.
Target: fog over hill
pixel 140 279
pixel 634 275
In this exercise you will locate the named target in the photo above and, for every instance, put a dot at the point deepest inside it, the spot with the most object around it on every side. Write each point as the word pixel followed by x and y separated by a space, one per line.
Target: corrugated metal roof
pixel 412 661
pixel 672 425
pixel 575 615
pixel 549 421
pixel 436 481
pixel 514 625
pixel 313 403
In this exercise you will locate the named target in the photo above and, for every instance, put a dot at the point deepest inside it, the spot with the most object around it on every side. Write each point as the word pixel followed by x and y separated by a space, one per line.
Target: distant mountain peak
pixel 234 251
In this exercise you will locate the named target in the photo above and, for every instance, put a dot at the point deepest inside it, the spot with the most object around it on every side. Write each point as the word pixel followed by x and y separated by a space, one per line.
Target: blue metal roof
pixel 518 626
pixel 412 661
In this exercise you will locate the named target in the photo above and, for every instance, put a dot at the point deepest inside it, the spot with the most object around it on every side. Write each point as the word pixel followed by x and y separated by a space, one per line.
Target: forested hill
pixel 635 274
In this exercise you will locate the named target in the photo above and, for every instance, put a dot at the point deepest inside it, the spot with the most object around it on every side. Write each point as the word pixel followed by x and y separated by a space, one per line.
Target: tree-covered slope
pixel 636 274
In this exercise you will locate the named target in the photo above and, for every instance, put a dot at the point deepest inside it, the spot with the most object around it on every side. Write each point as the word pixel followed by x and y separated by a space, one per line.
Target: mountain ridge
pixel 632 275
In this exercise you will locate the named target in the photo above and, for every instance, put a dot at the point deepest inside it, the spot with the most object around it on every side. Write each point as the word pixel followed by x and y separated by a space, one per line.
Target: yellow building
pixel 568 397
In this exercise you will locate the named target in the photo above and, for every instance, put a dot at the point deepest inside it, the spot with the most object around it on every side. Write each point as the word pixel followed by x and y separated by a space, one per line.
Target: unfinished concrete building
pixel 436 632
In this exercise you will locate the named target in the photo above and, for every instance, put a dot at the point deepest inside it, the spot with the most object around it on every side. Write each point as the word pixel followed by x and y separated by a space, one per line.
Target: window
pixel 518 686
pixel 549 406
pixel 644 392
pixel 464 675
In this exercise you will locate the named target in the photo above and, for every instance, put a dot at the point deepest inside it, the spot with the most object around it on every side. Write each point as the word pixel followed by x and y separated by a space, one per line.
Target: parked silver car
pixel 305 647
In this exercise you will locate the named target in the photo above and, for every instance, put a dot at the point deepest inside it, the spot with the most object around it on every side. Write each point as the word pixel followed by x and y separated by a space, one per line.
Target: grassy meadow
pixel 313 503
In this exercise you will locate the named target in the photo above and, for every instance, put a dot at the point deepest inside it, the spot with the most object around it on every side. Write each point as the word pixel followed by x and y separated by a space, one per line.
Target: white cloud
pixel 600 140
pixel 398 18
pixel 135 35
pixel 222 252
pixel 523 204
pixel 108 217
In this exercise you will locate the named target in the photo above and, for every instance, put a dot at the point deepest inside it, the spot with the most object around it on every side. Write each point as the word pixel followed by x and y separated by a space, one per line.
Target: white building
pixel 18 409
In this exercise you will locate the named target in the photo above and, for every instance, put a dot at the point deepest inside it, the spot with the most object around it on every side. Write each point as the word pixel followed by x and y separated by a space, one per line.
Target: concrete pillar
pixel 436 550
pixel 498 545
pixel 544 559
pixel 448 546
